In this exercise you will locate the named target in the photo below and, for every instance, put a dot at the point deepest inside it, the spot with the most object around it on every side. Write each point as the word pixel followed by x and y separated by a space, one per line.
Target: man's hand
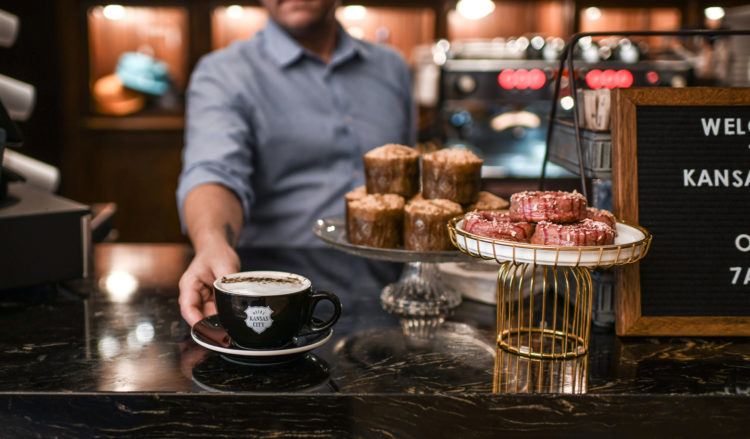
pixel 196 284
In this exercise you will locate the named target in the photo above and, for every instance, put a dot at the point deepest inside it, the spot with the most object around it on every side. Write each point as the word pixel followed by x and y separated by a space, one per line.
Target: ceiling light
pixel 114 12
pixel 235 11
pixel 714 12
pixel 475 9
pixel 593 13
pixel 355 12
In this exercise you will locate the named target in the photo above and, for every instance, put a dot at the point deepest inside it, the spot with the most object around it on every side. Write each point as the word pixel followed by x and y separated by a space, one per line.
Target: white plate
pixel 630 245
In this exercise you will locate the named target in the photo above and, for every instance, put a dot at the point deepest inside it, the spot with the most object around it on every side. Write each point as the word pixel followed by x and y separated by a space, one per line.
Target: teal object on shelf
pixel 143 73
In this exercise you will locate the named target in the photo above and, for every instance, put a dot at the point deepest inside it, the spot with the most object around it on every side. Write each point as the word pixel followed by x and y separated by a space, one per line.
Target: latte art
pixel 263 283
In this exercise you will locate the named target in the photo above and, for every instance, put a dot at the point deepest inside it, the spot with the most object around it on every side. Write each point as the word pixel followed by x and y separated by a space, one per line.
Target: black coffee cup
pixel 269 309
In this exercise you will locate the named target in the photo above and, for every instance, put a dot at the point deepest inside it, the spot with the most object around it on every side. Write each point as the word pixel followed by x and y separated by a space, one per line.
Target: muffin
pixel 392 169
pixel 425 224
pixel 376 220
pixel 488 201
pixel 417 197
pixel 352 195
pixel 355 194
pixel 452 174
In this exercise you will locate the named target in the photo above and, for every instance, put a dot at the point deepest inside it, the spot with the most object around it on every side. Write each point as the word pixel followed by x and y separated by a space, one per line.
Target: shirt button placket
pixel 347 138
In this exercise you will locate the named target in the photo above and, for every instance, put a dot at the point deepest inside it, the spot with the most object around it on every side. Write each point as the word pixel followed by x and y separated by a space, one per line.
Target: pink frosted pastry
pixel 497 225
pixel 582 233
pixel 488 201
pixel 552 206
pixel 602 215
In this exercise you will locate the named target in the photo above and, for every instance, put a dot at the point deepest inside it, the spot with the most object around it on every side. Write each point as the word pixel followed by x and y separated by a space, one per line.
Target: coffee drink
pixel 263 283
pixel 269 309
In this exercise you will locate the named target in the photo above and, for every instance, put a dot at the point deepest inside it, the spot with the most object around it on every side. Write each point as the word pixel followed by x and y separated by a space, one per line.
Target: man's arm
pixel 213 218
pixel 212 213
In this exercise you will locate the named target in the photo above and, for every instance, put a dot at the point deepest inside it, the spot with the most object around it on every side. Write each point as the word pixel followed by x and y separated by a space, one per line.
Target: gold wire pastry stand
pixel 556 323
pixel 519 374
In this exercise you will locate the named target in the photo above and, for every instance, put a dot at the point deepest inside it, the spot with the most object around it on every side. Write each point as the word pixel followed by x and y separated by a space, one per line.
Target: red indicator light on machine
pixel 537 79
pixel 522 79
pixel 652 77
pixel 594 79
pixel 507 79
pixel 609 79
pixel 623 79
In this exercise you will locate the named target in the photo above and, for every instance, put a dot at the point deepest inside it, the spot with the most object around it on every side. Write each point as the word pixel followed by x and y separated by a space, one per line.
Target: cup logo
pixel 258 318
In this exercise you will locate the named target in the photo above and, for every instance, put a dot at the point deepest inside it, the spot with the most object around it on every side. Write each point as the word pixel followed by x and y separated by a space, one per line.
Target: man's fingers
pixel 191 315
pixel 196 305
pixel 196 286
pixel 194 297
pixel 209 308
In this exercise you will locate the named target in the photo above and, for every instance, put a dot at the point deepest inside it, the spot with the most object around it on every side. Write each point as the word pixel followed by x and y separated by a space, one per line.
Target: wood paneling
pixel 230 24
pixel 132 161
pixel 402 28
pixel 138 171
pixel 629 19
pixel 511 19
pixel 156 31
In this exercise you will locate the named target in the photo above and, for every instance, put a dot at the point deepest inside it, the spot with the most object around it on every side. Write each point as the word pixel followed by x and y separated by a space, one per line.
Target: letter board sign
pixel 681 169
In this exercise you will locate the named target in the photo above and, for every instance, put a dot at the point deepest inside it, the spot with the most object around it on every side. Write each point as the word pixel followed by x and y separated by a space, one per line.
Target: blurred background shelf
pixel 134 123
pixel 67 47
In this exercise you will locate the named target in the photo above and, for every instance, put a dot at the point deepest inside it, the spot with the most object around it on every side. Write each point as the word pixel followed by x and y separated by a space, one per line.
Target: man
pixel 275 133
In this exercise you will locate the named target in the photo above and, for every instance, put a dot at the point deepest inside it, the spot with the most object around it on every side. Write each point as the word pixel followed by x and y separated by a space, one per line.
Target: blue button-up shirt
pixel 286 132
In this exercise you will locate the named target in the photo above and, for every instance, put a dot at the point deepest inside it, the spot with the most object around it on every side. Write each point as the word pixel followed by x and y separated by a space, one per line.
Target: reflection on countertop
pixel 119 337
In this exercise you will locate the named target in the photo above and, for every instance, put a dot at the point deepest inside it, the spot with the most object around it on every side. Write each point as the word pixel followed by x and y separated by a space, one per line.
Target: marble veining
pixel 84 359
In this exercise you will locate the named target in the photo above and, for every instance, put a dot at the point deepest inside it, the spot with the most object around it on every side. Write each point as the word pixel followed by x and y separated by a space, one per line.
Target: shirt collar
pixel 347 48
pixel 285 51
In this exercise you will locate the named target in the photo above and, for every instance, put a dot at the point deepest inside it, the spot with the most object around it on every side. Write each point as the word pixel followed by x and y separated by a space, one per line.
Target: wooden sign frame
pixel 630 320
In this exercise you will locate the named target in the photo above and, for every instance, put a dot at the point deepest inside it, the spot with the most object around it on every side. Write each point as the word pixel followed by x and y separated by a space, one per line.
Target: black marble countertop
pixel 110 357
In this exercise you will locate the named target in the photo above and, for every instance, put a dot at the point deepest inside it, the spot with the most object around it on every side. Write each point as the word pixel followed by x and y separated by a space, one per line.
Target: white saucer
pixel 239 354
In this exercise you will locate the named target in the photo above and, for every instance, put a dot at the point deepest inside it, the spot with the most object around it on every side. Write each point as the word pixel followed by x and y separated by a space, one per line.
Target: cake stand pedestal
pixel 419 297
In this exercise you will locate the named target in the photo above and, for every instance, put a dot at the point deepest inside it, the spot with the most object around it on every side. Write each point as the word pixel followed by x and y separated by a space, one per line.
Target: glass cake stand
pixel 420 298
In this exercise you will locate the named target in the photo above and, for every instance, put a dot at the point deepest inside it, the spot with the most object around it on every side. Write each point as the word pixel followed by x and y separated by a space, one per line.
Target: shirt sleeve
pixel 218 136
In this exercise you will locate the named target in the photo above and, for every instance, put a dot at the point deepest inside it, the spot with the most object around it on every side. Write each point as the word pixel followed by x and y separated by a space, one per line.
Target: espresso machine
pixel 493 99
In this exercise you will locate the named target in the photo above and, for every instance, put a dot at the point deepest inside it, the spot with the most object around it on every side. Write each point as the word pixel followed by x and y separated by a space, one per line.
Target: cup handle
pixel 316 325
